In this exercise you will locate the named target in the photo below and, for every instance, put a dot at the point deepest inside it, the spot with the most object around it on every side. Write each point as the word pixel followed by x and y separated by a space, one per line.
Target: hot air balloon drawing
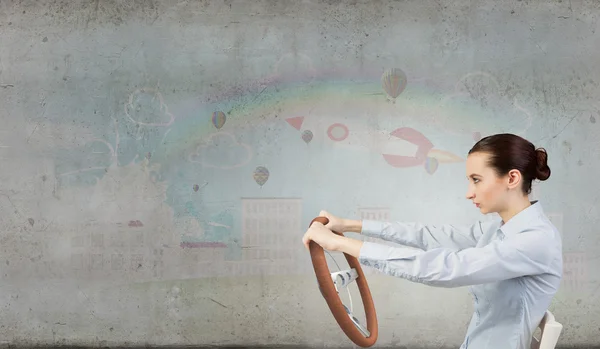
pixel 261 175
pixel 431 165
pixel 218 119
pixel 307 136
pixel 393 82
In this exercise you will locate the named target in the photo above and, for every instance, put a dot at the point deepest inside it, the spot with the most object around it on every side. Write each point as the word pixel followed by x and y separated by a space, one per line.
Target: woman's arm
pixel 419 235
pixel 524 254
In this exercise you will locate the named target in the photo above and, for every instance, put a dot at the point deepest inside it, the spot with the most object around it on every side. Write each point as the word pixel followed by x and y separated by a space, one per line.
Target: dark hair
pixel 511 152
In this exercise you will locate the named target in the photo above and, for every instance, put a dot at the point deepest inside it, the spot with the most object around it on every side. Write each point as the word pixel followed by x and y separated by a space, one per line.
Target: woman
pixel 513 265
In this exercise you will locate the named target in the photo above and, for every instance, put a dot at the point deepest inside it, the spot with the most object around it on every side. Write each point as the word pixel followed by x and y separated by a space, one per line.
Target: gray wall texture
pixel 160 160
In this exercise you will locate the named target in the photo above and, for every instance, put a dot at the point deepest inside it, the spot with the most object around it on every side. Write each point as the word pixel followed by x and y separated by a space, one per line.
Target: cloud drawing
pixel 146 107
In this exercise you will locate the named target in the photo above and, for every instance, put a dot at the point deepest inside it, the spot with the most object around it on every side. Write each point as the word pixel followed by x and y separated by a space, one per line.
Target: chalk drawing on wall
pixel 271 235
pixel 456 111
pixel 197 187
pixel 431 165
pixel 295 122
pixel 146 107
pixel 135 223
pixel 218 119
pixel 112 161
pixel 575 273
pixel 485 89
pixel 337 132
pixel 120 220
pixel 425 155
pixel 394 82
pixel 192 230
pixel 145 114
pixel 307 136
pixel 207 227
pixel 223 151
pixel 261 175
pixel 220 227
pixel 126 252
pixel 202 244
pixel 373 213
pixel 145 124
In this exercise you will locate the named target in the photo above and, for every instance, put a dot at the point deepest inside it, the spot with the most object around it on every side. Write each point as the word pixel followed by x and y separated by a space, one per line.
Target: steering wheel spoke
pixel 357 323
pixel 343 278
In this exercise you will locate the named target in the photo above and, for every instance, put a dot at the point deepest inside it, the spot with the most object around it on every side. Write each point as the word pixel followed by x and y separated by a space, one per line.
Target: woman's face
pixel 487 191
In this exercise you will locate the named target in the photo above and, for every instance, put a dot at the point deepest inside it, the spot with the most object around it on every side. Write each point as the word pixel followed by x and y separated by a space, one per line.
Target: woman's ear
pixel 514 179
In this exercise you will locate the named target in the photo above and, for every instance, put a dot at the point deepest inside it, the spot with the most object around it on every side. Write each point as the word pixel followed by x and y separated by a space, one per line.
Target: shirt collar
pixel 522 219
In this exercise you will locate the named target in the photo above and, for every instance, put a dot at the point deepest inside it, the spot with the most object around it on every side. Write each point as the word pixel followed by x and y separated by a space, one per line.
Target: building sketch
pixel 376 214
pixel 119 251
pixel 575 276
pixel 271 237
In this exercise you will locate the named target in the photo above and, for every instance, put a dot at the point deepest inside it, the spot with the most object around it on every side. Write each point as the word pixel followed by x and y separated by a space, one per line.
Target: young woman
pixel 513 265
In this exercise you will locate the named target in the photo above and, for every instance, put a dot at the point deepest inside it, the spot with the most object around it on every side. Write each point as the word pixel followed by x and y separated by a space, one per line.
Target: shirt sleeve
pixel 522 254
pixel 426 237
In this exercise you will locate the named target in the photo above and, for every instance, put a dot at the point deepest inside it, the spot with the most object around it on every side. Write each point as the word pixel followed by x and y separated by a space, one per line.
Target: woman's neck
pixel 514 207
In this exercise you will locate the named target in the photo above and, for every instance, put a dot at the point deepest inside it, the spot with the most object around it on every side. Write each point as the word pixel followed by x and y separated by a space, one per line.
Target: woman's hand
pixel 335 223
pixel 320 234
pixel 341 225
pixel 331 241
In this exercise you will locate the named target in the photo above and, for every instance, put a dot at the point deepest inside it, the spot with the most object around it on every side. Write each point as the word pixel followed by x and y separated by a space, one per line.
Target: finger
pixel 326 214
pixel 305 241
pixel 316 224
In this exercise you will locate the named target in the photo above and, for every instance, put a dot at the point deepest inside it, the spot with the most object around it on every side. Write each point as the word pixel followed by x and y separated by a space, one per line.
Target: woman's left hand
pixel 320 234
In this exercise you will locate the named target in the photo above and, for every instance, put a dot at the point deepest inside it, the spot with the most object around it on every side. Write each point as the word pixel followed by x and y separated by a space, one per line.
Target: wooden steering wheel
pixel 331 283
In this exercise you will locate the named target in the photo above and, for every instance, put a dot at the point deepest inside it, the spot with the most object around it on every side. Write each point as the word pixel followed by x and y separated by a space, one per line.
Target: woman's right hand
pixel 336 224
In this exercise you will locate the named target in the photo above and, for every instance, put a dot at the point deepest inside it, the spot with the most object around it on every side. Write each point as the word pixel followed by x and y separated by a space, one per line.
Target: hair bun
pixel 542 171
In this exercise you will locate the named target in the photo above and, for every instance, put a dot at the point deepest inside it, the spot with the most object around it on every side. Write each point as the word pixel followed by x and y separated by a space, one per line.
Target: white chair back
pixel 550 330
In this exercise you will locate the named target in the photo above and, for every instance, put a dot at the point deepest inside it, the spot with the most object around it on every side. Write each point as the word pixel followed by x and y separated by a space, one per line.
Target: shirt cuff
pixel 371 228
pixel 372 251
pixel 394 261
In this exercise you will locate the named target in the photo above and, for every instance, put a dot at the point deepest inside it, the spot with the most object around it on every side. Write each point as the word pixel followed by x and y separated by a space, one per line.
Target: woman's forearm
pixel 348 245
pixel 352 225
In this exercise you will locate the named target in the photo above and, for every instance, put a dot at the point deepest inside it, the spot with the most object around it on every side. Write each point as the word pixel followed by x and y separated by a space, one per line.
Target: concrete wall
pixel 129 216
